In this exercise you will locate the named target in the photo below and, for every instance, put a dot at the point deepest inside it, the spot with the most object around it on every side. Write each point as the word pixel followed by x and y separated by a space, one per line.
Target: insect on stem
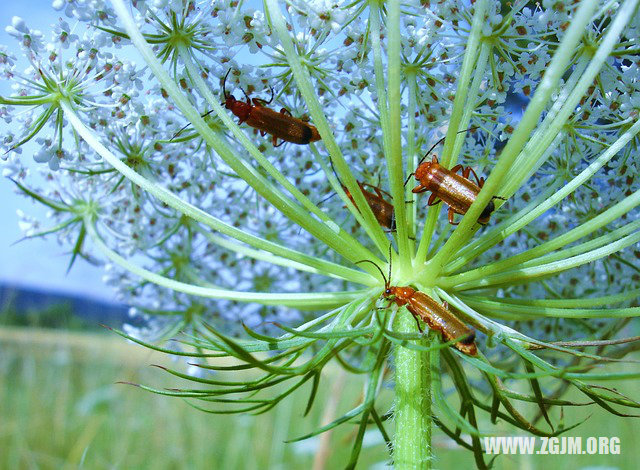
pixel 437 316
pixel 280 125
pixel 457 191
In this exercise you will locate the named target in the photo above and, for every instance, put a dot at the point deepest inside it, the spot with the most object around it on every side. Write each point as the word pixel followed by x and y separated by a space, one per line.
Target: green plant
pixel 375 79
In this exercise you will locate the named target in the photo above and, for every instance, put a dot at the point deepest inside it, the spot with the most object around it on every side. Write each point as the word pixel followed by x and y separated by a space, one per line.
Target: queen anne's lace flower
pixel 194 215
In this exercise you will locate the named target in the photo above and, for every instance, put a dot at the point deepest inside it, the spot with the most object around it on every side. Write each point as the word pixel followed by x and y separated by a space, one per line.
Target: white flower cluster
pixel 88 58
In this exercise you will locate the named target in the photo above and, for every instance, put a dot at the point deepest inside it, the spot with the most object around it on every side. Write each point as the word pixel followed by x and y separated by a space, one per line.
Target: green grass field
pixel 60 408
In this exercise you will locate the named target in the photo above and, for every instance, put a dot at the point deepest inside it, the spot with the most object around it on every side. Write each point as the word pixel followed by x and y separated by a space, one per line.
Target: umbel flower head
pixel 290 252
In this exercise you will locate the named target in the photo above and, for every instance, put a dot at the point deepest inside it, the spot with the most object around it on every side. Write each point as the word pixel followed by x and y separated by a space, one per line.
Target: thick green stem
pixel 519 275
pixel 412 448
pixel 412 156
pixel 471 54
pixel 518 261
pixel 540 206
pixel 458 140
pixel 499 309
pixel 470 57
pixel 202 86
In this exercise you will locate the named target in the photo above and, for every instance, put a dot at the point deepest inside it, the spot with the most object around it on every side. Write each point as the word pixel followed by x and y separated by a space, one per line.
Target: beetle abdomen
pixel 438 318
pixel 282 126
pixel 486 213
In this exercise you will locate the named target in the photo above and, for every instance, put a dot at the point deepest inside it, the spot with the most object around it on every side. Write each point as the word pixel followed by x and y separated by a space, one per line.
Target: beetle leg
pixel 480 181
pixel 275 140
pixel 419 189
pixel 262 133
pixel 432 200
pixel 240 120
pixel 386 307
pixel 415 317
pixel 378 191
pixel 451 214
pixel 285 111
pixel 457 168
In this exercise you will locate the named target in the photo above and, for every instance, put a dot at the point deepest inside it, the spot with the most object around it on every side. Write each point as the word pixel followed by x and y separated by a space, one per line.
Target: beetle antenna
pixel 386 282
pixel 272 94
pixel 335 172
pixel 224 82
pixel 410 175
pixel 326 198
pixel 442 140
pixel 390 260
pixel 187 125
pixel 434 146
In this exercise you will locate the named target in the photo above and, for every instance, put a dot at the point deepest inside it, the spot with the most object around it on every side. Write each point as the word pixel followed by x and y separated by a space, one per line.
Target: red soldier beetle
pixel 457 191
pixel 381 208
pixel 437 316
pixel 281 125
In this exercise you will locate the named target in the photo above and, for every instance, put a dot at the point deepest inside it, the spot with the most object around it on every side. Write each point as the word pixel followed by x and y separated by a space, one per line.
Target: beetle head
pixel 423 170
pixel 229 101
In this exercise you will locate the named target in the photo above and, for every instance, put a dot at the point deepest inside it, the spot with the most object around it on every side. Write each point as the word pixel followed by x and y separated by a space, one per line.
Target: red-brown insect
pixel 436 316
pixel 280 125
pixel 457 191
pixel 381 208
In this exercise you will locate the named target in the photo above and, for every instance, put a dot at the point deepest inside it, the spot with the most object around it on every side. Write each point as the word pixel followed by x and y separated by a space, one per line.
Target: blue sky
pixel 37 263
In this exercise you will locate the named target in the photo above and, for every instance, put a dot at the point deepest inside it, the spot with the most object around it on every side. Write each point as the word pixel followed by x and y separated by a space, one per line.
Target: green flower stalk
pixel 236 248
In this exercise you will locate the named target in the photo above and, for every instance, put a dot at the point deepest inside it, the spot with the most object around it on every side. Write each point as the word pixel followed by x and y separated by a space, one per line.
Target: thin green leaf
pixel 378 422
pixel 357 443
pixel 312 394
pixel 158 348
pixel 535 386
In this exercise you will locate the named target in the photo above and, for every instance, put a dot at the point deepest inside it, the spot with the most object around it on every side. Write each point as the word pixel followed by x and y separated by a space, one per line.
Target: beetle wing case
pixel 282 126
pixel 437 317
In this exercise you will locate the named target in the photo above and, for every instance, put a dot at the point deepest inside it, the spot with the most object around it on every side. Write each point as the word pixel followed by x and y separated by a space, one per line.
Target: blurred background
pixel 61 406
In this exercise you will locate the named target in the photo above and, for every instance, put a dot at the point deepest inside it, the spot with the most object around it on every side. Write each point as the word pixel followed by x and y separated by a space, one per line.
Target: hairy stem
pixel 394 155
pixel 412 447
